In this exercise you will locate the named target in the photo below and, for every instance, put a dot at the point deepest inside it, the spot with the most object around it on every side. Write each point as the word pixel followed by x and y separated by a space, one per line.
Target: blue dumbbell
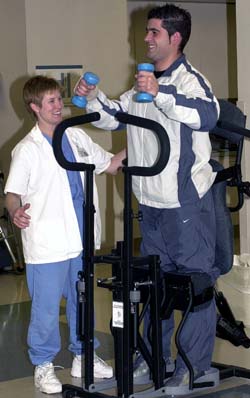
pixel 144 97
pixel 81 101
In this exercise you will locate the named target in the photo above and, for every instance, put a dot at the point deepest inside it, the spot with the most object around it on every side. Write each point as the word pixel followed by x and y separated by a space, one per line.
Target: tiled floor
pixel 16 373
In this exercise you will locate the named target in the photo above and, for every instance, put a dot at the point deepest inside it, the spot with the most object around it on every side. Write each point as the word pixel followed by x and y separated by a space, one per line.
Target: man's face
pixel 161 47
pixel 50 111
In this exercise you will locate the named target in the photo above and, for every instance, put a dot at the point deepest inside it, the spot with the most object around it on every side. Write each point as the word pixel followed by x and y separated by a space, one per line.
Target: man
pixel 177 206
pixel 46 202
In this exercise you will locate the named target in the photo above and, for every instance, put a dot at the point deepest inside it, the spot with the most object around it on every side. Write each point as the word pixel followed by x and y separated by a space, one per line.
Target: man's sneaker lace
pixel 46 380
pixel 101 369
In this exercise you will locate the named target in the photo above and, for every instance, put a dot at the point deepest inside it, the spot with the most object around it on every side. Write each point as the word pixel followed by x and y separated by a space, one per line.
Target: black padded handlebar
pixel 164 144
pixel 161 134
pixel 233 175
pixel 232 129
pixel 57 141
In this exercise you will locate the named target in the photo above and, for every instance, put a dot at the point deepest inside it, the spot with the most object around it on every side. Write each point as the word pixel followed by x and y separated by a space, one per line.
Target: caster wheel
pixel 68 394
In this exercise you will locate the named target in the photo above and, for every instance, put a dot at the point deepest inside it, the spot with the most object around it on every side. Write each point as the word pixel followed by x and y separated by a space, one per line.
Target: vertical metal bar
pixel 155 308
pixel 127 286
pixel 19 259
pixel 118 333
pixel 4 238
pixel 89 282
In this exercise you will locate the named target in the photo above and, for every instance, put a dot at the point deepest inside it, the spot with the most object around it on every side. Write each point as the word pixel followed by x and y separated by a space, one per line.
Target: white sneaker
pixel 101 369
pixel 142 369
pixel 76 370
pixel 46 380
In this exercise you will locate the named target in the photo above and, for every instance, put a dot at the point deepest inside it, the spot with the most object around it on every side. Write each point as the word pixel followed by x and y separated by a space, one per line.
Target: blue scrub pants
pixel 184 238
pixel 47 283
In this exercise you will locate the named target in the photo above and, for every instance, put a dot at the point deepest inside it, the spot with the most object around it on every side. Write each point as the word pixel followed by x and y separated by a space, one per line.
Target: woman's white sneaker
pixel 46 380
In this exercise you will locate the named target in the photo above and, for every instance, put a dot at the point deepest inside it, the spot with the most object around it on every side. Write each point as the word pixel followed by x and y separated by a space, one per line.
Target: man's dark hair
pixel 174 19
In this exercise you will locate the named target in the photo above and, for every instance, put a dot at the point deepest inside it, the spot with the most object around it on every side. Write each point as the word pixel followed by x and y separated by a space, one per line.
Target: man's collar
pixel 181 59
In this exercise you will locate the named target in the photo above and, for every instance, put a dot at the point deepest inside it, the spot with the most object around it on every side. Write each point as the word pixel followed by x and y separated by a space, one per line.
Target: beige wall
pixel 13 68
pixel 243 56
pixel 88 32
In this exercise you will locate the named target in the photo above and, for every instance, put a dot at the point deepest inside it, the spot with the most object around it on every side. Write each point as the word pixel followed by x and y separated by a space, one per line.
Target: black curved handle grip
pixel 234 134
pixel 164 144
pixel 233 129
pixel 57 141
